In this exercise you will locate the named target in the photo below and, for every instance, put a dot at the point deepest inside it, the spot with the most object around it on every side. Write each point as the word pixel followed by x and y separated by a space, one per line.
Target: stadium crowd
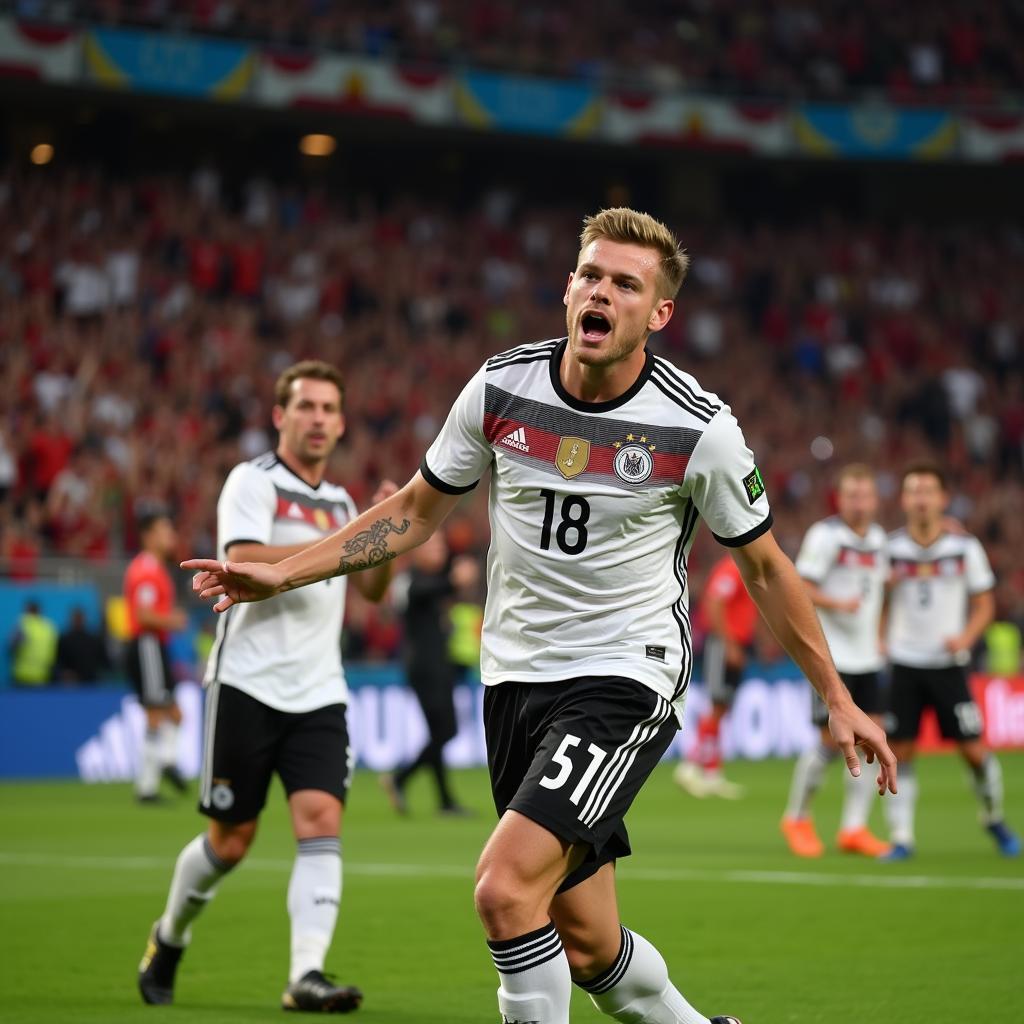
pixel 143 322
pixel 971 51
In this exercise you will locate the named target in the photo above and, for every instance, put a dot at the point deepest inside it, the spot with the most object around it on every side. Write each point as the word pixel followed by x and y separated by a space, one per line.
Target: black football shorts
pixel 865 689
pixel 944 689
pixel 245 741
pixel 573 755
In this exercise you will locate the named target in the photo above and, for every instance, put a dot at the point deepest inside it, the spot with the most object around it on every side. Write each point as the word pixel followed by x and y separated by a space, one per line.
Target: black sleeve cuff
pixel 439 485
pixel 242 540
pixel 737 542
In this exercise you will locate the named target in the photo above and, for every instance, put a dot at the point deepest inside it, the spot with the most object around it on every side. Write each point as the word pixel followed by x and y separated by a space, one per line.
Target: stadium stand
pixel 144 321
pixel 918 51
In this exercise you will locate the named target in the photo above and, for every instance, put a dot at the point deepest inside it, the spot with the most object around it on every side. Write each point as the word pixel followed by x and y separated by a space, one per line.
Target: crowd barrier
pixel 95 733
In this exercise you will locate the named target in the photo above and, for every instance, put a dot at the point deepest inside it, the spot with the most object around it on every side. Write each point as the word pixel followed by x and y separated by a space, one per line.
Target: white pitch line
pixel 635 874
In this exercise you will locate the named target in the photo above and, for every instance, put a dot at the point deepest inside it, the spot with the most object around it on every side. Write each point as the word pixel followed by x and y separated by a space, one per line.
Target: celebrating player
pixel 276 698
pixel 844 565
pixel 731 618
pixel 152 616
pixel 603 458
pixel 940 602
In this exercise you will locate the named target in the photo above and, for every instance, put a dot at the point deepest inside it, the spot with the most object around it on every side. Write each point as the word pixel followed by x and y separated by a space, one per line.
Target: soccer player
pixel 940 602
pixel 844 565
pixel 275 698
pixel 731 617
pixel 152 617
pixel 603 459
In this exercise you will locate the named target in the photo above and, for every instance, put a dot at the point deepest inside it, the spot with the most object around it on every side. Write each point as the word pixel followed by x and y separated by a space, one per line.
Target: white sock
pixel 193 885
pixel 900 806
pixel 988 785
pixel 636 988
pixel 167 742
pixel 314 895
pixel 807 776
pixel 534 978
pixel 857 795
pixel 148 781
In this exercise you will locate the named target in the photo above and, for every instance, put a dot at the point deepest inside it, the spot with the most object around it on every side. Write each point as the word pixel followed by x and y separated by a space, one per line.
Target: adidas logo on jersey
pixel 517 440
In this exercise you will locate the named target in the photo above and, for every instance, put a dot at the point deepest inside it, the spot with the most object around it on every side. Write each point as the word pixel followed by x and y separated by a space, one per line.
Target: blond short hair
pixel 855 471
pixel 621 224
pixel 308 369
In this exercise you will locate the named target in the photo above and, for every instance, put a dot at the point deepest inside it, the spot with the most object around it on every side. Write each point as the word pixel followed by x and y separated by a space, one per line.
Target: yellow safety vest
pixel 37 652
pixel 1002 644
pixel 464 641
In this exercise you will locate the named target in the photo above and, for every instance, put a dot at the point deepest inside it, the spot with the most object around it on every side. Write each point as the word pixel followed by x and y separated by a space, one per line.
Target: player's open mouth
pixel 595 326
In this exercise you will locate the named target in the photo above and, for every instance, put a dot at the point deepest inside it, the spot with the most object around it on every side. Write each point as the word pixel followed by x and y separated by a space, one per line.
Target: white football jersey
pixel 593 509
pixel 286 652
pixel 844 565
pixel 928 602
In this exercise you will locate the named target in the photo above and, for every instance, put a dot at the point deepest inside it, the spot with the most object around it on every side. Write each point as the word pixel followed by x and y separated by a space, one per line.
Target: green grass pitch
pixel 746 928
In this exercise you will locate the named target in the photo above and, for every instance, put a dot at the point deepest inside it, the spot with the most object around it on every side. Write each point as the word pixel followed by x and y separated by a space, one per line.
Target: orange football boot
pixel 861 840
pixel 801 837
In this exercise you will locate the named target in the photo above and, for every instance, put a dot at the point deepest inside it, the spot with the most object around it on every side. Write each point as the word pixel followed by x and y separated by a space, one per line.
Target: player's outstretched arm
pixel 780 594
pixel 383 532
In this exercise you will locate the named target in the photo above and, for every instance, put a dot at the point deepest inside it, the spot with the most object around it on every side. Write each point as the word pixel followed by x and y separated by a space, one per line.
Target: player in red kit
pixel 730 617
pixel 152 617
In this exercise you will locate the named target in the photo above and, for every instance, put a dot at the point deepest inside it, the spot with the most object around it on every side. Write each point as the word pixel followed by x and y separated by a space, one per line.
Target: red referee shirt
pixel 147 584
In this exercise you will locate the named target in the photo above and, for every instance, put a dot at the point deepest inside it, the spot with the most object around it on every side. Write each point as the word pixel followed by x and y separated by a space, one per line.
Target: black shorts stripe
pixel 151 669
pixel 209 728
pixel 622 760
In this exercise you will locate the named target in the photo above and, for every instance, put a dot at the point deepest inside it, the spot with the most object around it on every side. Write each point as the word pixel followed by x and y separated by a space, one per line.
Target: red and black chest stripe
pixel 573 445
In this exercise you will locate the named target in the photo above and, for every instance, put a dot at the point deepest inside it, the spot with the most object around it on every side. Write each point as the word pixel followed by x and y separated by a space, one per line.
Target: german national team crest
pixel 633 462
pixel 572 456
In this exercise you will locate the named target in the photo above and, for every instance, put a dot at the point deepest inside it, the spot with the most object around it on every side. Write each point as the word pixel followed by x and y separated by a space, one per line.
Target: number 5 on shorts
pixel 565 766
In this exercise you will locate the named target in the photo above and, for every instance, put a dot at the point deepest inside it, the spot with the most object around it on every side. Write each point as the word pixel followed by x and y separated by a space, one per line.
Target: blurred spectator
pixel 33 648
pixel 82 655
pixel 756 48
pixel 852 343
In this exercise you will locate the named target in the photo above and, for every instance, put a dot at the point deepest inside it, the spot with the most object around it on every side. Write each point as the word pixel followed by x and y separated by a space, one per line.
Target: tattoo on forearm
pixel 370 547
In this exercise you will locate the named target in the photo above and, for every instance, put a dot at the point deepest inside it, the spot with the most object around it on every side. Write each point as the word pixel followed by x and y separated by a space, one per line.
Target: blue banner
pixel 517 104
pixel 170 64
pixel 95 733
pixel 874 130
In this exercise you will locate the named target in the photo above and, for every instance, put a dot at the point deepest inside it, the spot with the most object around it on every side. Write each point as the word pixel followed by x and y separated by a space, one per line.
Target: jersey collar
pixel 305 483
pixel 613 403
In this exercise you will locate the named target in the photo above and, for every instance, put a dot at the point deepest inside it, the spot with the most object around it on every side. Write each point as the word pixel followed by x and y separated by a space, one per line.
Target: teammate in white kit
pixel 603 459
pixel 844 564
pixel 276 696
pixel 940 602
